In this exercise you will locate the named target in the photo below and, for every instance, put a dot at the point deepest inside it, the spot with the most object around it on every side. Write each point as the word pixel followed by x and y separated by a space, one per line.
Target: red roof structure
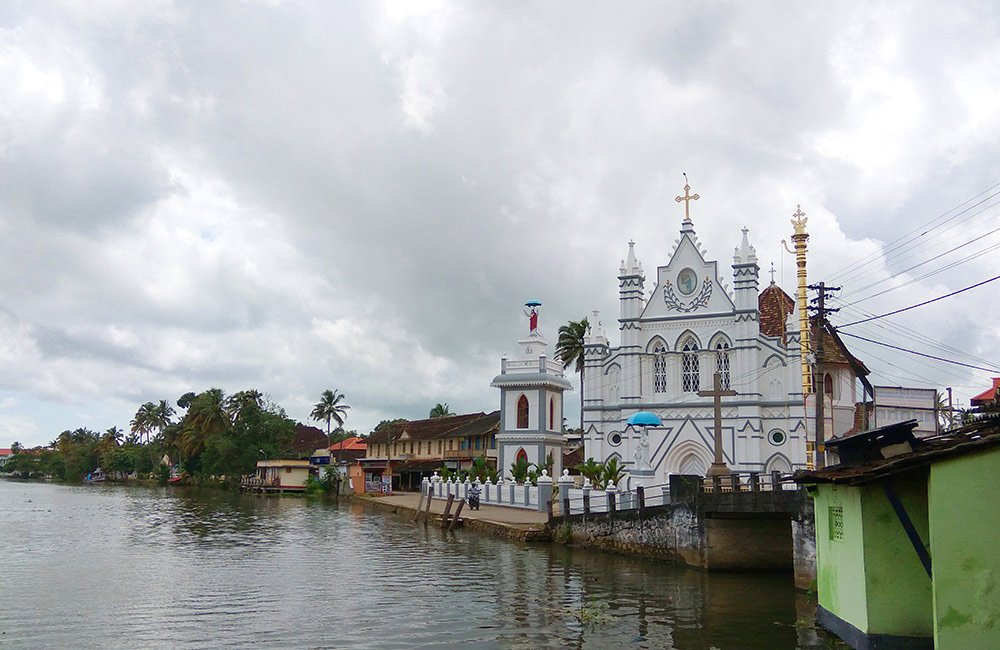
pixel 989 395
pixel 349 444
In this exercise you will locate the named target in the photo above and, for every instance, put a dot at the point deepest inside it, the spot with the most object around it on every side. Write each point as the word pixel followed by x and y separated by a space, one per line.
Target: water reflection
pixel 148 567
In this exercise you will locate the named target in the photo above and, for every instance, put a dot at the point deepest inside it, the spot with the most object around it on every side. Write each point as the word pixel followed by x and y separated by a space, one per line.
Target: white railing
pixel 502 493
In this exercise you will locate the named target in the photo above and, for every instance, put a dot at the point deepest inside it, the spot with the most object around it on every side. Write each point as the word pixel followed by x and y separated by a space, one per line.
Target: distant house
pixel 399 455
pixel 989 396
pixel 278 475
pixel 5 455
pixel 907 532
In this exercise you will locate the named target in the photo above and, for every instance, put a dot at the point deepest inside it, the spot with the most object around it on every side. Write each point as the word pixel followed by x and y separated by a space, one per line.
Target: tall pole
pixel 819 379
pixel 800 238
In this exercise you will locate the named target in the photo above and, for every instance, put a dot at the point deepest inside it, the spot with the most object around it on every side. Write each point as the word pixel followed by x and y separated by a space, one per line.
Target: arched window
pixel 689 367
pixel 722 362
pixel 522 412
pixel 828 384
pixel 521 455
pixel 552 414
pixel 659 368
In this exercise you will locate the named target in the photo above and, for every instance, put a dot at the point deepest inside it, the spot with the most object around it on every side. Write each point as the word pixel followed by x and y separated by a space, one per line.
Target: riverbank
pixel 507 523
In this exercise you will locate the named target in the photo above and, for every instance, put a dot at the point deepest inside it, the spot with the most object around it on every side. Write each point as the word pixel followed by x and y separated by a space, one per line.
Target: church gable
pixel 688 285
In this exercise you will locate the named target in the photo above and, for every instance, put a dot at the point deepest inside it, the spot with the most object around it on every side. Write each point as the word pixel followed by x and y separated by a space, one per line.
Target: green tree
pixel 612 472
pixel 519 470
pixel 482 470
pixel 384 423
pixel 569 349
pixel 160 416
pixel 591 470
pixel 440 411
pixel 330 408
pixel 205 417
pixel 234 452
pixel 143 422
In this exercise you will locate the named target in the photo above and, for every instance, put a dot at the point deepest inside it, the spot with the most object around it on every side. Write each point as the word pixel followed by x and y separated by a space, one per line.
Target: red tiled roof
pixel 349 444
pixel 775 305
pixel 5 452
pixel 987 396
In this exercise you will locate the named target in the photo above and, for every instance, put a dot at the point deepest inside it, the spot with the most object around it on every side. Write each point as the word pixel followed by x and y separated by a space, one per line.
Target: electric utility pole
pixel 819 377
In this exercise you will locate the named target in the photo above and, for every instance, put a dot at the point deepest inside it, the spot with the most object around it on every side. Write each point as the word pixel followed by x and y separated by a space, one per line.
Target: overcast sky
pixel 295 196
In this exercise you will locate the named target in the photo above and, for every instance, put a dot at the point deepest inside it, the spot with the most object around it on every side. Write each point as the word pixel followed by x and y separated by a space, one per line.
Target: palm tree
pixel 160 416
pixel 143 422
pixel 440 411
pixel 569 349
pixel 613 472
pixel 591 470
pixel 330 409
pixel 205 417
pixel 243 401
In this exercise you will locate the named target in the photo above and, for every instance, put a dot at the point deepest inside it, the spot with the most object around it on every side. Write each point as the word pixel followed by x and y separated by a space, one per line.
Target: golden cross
pixel 799 222
pixel 687 198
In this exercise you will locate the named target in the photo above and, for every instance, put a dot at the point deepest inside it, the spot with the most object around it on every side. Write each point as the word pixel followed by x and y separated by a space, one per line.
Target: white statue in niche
pixel 641 454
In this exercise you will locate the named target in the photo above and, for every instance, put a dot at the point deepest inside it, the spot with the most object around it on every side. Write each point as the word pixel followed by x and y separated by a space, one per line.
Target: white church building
pixel 672 343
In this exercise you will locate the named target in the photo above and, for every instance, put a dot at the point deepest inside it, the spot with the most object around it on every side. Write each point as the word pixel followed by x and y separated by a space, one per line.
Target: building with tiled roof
pixel 404 452
pixel 988 396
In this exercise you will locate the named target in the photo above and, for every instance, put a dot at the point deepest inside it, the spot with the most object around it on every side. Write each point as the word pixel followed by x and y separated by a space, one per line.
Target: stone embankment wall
pixel 714 532
pixel 670 533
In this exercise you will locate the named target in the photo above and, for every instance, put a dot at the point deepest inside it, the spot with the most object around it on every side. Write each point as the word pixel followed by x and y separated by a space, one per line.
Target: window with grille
pixel 722 363
pixel 689 367
pixel 659 369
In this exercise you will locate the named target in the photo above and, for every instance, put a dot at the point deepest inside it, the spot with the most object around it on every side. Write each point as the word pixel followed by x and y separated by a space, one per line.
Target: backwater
pixel 142 567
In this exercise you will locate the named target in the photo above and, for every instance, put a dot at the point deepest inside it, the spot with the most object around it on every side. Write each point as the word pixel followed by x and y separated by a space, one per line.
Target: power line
pixel 926 302
pixel 920 354
pixel 913 235
pixel 928 261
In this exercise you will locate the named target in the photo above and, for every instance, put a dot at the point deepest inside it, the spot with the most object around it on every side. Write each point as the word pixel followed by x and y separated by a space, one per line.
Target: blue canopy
pixel 533 303
pixel 644 419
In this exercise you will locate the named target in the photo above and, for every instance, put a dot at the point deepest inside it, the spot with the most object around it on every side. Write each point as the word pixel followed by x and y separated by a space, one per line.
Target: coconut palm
pixel 143 422
pixel 330 408
pixel 569 349
pixel 161 415
pixel 205 417
pixel 242 401
pixel 440 411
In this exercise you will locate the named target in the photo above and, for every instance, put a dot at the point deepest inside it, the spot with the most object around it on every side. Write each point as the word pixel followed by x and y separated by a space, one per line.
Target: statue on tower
pixel 531 311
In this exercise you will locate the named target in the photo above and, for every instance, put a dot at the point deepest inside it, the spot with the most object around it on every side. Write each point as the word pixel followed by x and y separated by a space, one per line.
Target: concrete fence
pixel 501 493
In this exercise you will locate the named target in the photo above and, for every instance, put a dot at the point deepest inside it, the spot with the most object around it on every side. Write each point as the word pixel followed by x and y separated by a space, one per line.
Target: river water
pixel 141 567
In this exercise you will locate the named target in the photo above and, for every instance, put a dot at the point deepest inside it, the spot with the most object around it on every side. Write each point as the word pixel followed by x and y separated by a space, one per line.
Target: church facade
pixel 672 343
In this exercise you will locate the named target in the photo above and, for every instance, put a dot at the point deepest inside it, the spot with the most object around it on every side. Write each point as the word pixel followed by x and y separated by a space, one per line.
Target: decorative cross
pixel 772 272
pixel 799 222
pixel 687 198
pixel 719 467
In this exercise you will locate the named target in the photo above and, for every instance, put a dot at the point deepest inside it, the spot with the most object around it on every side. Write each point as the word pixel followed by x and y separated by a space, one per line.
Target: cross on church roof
pixel 687 198
pixel 772 272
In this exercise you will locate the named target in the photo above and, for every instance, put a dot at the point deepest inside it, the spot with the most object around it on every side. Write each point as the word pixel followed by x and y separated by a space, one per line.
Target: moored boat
pixel 97 476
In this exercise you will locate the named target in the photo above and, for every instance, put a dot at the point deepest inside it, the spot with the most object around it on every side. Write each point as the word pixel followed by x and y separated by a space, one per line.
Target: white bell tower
pixel 531 402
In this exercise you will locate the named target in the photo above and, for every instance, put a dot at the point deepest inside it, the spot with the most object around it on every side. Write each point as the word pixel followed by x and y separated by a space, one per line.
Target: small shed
pixel 279 475
pixel 907 532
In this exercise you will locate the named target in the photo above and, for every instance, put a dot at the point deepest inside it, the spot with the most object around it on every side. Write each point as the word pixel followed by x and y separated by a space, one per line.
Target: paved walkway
pixel 496 514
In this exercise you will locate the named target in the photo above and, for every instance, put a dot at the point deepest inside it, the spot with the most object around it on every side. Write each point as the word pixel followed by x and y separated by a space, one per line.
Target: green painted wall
pixel 897 586
pixel 840 571
pixel 964 499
